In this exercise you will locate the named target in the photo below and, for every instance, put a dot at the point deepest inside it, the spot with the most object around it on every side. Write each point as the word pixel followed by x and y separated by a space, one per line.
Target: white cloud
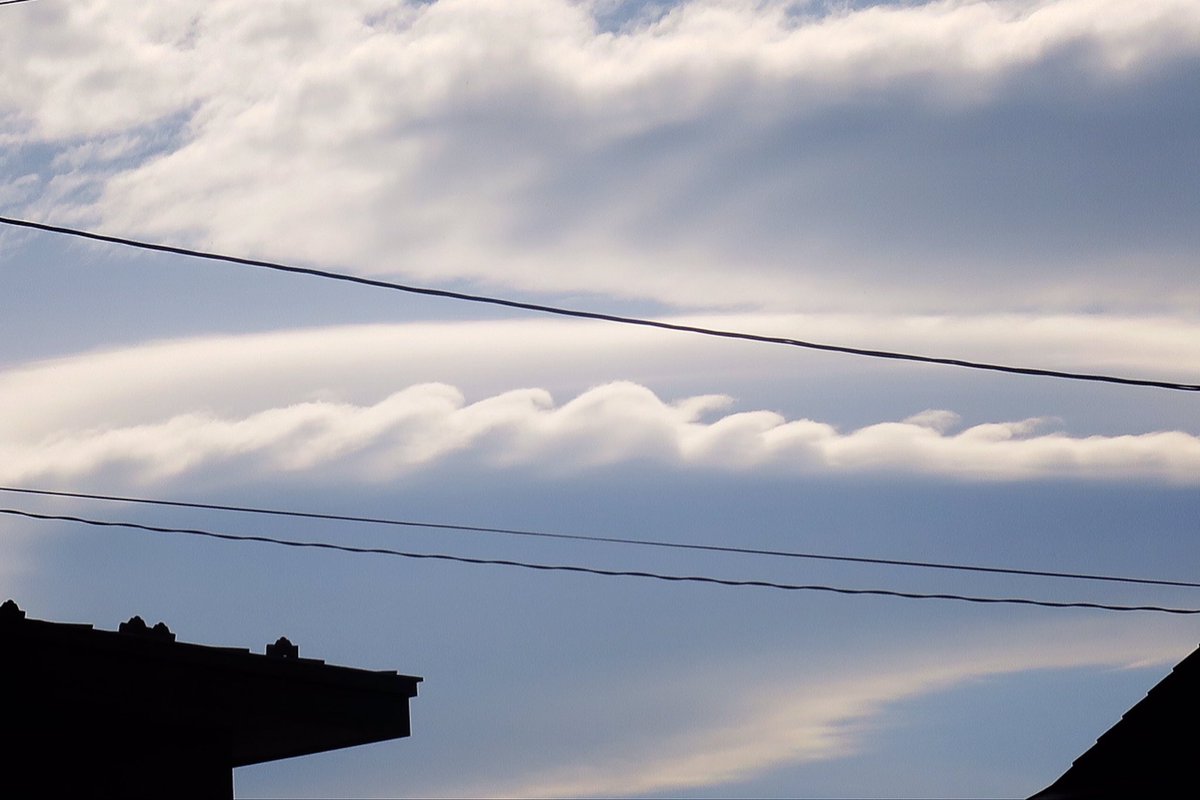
pixel 730 150
pixel 609 424
pixel 308 399
pixel 235 376
pixel 798 716
pixel 133 63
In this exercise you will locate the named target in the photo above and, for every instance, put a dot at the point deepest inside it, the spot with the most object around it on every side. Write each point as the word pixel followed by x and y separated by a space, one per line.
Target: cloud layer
pixel 1006 180
pixel 234 376
pixel 374 401
pixel 725 151
pixel 786 721
pixel 610 424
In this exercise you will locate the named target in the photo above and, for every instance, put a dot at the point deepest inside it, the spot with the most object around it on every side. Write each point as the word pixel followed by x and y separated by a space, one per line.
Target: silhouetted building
pixel 133 713
pixel 1149 753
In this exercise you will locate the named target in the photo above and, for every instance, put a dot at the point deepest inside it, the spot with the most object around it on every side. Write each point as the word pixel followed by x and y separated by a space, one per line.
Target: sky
pixel 1004 180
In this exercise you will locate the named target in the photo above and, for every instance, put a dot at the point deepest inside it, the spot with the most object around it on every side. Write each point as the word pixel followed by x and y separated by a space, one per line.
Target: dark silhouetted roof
pixel 1150 752
pixel 136 695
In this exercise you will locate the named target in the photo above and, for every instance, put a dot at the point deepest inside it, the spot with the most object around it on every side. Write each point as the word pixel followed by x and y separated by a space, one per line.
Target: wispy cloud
pixel 812 716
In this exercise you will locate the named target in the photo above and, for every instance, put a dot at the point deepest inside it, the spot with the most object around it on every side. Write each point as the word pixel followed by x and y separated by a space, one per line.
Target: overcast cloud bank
pixel 934 156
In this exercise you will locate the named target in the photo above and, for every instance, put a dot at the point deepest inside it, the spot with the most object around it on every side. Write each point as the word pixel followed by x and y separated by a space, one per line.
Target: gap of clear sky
pixel 1007 181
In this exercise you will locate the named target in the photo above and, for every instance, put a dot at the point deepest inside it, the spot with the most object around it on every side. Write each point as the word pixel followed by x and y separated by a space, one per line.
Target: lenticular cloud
pixel 610 424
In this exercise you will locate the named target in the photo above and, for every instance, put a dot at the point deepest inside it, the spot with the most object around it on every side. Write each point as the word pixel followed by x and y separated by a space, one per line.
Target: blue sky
pixel 1006 181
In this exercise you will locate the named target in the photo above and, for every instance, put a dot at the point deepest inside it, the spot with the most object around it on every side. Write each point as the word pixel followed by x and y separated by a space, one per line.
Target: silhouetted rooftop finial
pixel 136 626
pixel 283 648
pixel 11 611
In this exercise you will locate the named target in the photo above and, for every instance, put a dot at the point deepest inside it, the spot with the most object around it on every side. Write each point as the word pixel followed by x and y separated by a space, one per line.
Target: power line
pixel 596 315
pixel 232 537
pixel 712 548
pixel 13 2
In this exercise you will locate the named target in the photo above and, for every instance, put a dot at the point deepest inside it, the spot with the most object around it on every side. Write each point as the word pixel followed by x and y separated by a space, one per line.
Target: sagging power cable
pixel 596 315
pixel 610 573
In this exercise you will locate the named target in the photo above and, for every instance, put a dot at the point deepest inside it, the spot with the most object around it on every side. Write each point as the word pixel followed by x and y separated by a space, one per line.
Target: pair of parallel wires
pixel 655 543
pixel 636 321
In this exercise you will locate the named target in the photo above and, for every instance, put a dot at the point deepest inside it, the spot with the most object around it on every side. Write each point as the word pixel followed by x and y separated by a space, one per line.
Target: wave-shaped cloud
pixel 234 376
pixel 615 423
